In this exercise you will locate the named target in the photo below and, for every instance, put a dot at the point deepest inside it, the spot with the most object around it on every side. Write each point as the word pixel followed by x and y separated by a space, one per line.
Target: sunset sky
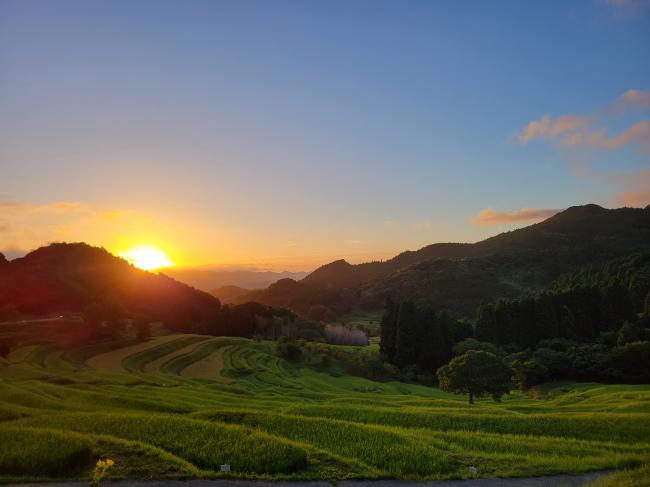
pixel 286 134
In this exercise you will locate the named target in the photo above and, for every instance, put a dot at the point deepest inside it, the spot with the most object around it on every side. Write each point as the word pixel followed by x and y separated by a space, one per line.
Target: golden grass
pixel 153 367
pixel 208 368
pixel 112 361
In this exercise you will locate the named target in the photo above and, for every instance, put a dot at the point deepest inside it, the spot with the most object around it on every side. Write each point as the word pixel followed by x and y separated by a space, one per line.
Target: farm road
pixel 551 481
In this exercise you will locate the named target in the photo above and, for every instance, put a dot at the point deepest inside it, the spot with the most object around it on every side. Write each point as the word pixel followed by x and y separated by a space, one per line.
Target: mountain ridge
pixel 573 237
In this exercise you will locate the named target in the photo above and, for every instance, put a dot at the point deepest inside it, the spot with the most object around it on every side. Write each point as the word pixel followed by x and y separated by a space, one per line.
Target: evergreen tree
pixel 486 323
pixel 388 331
pixel 408 339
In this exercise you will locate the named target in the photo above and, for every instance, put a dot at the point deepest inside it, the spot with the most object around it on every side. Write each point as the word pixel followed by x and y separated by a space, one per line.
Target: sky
pixel 287 134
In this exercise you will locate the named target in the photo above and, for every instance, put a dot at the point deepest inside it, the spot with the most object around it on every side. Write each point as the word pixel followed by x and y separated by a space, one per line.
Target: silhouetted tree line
pixel 419 337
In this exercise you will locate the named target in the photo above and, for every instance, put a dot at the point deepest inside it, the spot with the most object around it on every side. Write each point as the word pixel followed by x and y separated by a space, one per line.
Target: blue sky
pixel 289 133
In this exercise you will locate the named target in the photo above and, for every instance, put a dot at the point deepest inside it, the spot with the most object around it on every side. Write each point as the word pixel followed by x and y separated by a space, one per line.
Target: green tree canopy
pixel 476 373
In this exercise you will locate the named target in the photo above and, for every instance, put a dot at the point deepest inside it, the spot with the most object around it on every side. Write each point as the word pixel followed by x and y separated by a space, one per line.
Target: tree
pixel 476 373
pixel 142 325
pixel 409 336
pixel 389 331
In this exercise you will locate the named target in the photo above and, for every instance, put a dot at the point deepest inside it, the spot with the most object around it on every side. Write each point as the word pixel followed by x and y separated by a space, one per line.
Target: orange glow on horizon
pixel 146 257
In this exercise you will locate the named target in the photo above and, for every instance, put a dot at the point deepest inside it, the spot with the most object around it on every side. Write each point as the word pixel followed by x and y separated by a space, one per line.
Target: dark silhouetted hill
pixel 75 276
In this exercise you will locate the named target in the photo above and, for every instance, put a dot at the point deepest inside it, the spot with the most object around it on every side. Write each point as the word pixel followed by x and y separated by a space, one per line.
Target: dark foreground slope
pixel 77 277
pixel 459 277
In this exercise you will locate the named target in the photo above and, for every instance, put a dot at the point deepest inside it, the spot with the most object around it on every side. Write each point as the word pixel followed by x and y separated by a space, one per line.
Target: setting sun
pixel 146 257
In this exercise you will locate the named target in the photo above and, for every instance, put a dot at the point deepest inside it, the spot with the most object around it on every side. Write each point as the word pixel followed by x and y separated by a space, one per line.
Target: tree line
pixel 592 326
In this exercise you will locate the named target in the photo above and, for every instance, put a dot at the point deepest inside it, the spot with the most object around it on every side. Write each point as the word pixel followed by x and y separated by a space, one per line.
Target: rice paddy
pixel 181 406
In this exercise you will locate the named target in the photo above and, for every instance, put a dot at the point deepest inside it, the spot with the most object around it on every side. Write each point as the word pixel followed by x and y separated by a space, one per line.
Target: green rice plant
pixel 207 445
pixel 638 477
pixel 176 365
pixel 384 450
pixel 136 362
pixel 614 427
pixel 34 452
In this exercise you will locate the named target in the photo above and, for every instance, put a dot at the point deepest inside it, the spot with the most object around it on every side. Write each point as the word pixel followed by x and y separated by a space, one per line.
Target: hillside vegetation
pixel 459 277
pixel 183 405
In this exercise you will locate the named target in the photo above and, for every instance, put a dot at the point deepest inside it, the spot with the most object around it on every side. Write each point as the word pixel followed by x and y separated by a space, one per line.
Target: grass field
pixel 181 406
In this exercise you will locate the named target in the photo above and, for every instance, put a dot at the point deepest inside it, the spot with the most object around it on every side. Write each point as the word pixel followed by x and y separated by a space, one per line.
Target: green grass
pixel 41 452
pixel 269 418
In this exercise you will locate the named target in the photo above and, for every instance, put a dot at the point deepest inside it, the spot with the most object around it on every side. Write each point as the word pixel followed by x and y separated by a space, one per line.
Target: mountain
pixel 76 276
pixel 208 280
pixel 460 276
pixel 229 294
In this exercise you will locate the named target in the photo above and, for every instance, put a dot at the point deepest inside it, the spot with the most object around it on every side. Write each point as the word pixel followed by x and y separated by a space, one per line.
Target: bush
pixel 345 335
pixel 289 348
pixel 473 344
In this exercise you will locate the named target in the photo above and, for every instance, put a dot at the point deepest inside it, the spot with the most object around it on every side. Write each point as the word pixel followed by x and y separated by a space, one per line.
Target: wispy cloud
pixel 548 128
pixel 627 5
pixel 637 133
pixel 587 131
pixel 26 225
pixel 632 99
pixel 636 189
pixel 490 217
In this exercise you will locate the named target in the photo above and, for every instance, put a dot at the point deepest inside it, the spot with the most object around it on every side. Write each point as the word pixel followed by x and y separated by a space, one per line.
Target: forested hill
pixel 459 277
pixel 76 277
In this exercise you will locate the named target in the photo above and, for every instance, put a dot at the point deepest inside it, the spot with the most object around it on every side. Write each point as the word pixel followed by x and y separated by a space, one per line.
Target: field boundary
pixel 544 481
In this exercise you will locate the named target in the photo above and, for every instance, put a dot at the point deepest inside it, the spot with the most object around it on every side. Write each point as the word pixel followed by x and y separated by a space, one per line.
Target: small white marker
pixel 225 467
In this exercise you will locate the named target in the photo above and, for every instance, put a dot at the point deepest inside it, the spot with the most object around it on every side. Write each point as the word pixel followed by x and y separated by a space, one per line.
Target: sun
pixel 147 257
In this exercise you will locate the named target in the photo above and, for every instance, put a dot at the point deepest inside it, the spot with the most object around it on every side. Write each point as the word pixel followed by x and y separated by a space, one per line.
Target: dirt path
pixel 551 481
pixel 208 368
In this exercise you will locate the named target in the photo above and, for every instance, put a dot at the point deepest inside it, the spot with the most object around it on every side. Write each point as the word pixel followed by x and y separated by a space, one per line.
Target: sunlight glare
pixel 147 257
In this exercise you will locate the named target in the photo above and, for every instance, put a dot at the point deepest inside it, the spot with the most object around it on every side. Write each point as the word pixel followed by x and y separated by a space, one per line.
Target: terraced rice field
pixel 183 405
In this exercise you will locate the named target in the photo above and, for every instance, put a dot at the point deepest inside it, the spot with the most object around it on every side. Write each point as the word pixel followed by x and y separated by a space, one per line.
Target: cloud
pixel 489 217
pixel 581 130
pixel 27 225
pixel 632 99
pixel 353 242
pixel 627 5
pixel 636 189
pixel 548 128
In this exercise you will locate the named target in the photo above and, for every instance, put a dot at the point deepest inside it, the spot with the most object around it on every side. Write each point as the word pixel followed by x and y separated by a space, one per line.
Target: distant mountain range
pixel 229 294
pixel 451 276
pixel 460 276
pixel 209 280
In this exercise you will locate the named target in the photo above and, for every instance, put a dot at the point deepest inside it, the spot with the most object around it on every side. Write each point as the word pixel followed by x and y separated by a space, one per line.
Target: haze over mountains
pixel 210 279
pixel 451 276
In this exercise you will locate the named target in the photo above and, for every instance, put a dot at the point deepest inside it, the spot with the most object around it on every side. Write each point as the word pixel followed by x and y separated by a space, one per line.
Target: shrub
pixel 289 348
pixel 344 335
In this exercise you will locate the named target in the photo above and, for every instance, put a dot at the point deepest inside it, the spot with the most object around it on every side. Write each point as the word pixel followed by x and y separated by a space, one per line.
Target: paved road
pixel 552 481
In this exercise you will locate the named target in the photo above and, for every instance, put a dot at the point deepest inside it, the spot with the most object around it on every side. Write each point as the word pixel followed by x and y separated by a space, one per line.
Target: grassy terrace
pixel 182 406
